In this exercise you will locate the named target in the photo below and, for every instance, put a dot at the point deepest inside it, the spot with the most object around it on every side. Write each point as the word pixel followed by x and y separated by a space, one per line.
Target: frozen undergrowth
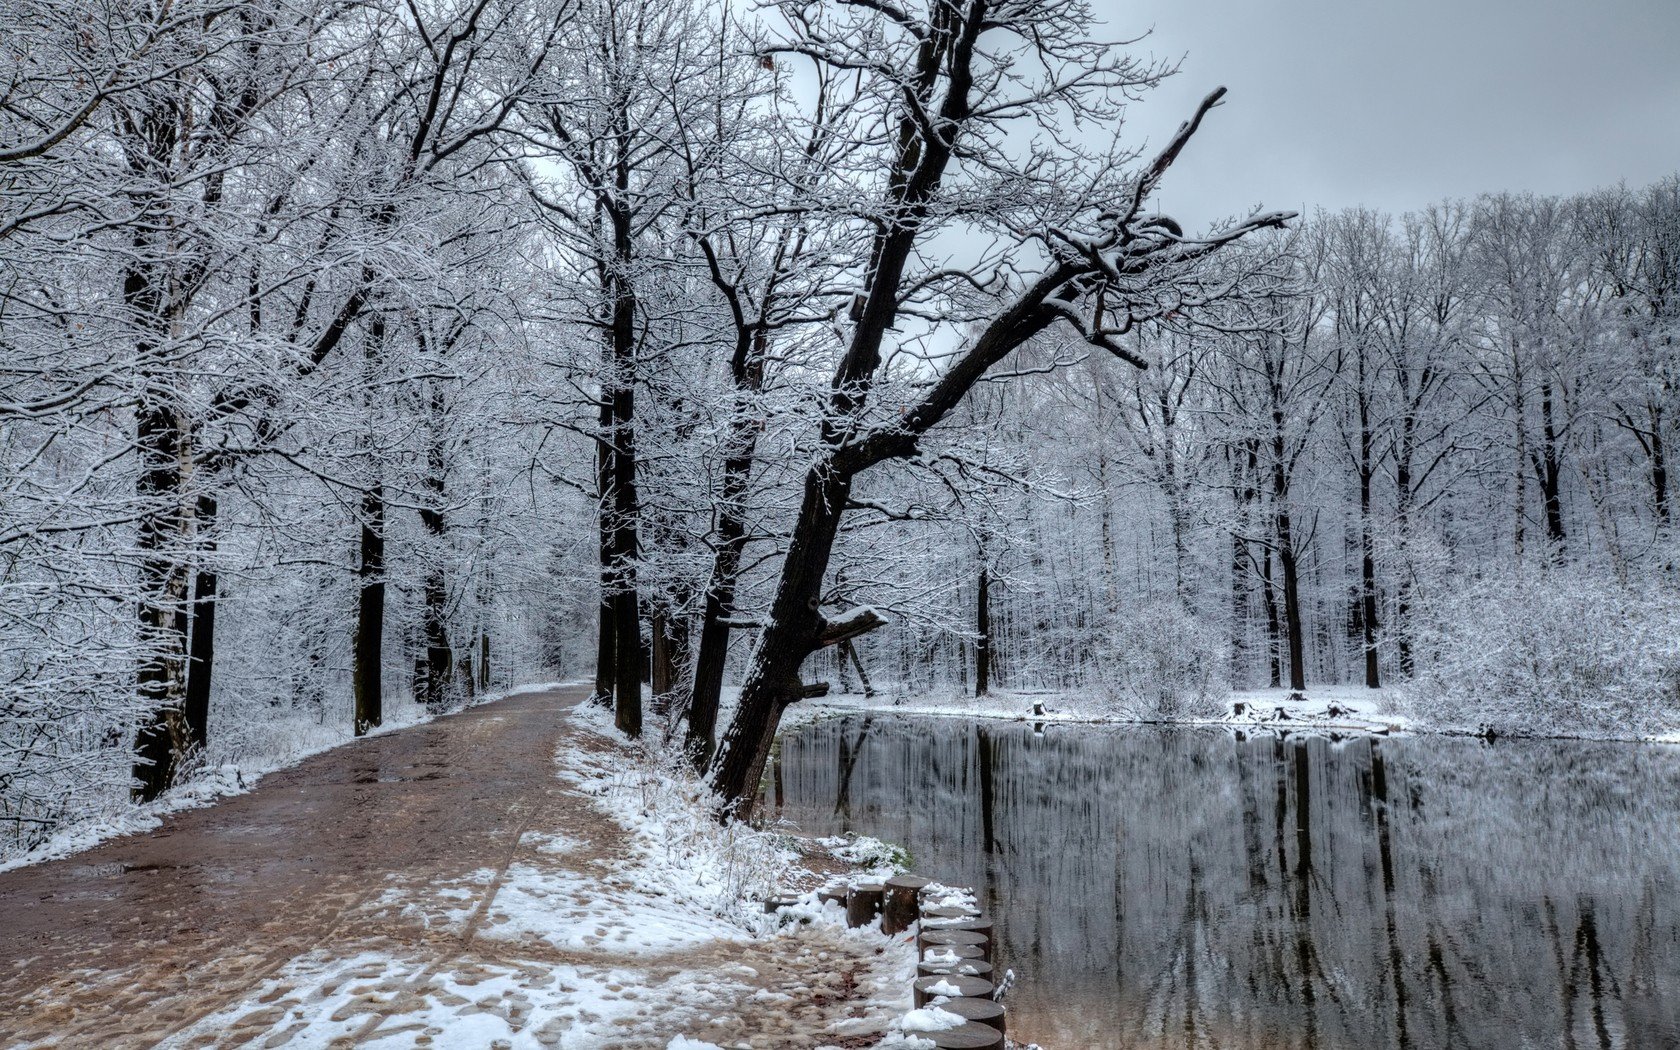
pixel 239 757
pixel 1552 652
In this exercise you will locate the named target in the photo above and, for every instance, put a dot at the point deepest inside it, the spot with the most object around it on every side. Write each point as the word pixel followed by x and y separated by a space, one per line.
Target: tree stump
pixel 778 901
pixel 901 906
pixel 960 967
pixel 966 1036
pixel 943 952
pixel 947 911
pixel 940 938
pixel 972 925
pixel 863 903
pixel 925 989
pixel 980 1011
pixel 836 894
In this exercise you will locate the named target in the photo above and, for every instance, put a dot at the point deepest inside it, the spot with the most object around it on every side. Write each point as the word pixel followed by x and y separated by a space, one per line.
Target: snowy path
pixel 434 887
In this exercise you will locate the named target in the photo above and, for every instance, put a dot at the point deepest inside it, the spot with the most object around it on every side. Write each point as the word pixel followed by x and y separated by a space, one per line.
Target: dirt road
pixel 351 900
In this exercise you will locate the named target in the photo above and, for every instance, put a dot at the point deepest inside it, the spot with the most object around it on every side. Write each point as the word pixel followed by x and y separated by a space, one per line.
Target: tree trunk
pixel 1551 472
pixel 788 638
pixel 203 650
pixel 663 672
pixel 1239 609
pixel 1659 469
pixel 606 649
pixel 1520 527
pixel 1292 604
pixel 1367 550
pixel 848 651
pixel 368 646
pixel 626 549
pixel 165 739
pixel 1403 531
pixel 440 656
pixel 367 656
pixel 434 624
pixel 748 373
pixel 983 632
pixel 1274 627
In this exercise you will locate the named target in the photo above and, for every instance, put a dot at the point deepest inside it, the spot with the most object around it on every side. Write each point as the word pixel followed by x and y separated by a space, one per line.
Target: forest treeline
pixel 357 357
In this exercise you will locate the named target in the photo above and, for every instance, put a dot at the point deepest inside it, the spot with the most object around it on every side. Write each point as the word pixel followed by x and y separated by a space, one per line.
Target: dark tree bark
pixel 1659 471
pixel 1274 623
pixel 606 649
pixel 848 651
pixel 1367 548
pixel 161 440
pixel 165 738
pixel 203 650
pixel 367 650
pixel 434 624
pixel 1293 626
pixel 983 631
pixel 630 659
pixel 747 370
pixel 1403 497
pixel 669 660
pixel 1548 469
pixel 367 647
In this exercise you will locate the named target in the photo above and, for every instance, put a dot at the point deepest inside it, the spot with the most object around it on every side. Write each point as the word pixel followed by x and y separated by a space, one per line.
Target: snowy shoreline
pixel 1332 709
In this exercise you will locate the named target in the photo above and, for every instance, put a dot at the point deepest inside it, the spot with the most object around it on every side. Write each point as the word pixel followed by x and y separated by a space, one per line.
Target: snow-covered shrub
pixel 1561 652
pixel 1160 662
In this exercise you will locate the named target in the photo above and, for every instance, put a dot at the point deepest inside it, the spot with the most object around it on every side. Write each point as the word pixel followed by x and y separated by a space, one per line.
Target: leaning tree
pixel 957 88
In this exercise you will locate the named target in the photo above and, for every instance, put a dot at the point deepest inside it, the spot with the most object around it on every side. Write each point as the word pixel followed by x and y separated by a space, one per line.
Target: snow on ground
pixel 625 918
pixel 288 745
pixel 1346 708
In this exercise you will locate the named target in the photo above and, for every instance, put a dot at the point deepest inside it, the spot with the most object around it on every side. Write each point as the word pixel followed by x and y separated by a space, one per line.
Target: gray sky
pixel 1395 103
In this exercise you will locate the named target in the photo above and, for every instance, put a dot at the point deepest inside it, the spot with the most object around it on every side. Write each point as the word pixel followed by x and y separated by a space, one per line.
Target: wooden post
pixel 941 952
pixel 959 988
pixel 943 938
pixel 900 910
pixel 970 924
pixel 980 1011
pixel 966 1036
pixel 863 903
pixel 960 967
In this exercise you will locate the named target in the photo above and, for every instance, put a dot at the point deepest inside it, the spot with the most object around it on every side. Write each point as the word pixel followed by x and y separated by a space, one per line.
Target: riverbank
pixel 1338 708
pixel 1330 709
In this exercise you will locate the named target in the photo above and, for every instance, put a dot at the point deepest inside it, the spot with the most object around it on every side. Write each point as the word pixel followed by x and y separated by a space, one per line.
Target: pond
pixel 1199 888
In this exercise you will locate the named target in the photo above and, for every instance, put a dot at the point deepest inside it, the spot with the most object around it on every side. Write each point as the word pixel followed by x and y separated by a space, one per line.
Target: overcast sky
pixel 1395 103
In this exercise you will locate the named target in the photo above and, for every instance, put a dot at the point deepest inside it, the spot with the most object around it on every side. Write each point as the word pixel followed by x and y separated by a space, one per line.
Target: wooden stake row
pixel 954 960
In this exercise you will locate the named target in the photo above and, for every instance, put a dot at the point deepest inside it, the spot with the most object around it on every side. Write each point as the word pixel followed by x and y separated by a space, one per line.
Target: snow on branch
pixel 848 625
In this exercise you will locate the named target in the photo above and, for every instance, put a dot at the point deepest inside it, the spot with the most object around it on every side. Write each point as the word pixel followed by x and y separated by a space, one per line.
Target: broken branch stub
pixel 848 625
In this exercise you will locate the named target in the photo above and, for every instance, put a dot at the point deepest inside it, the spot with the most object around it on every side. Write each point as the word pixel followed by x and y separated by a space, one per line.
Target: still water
pixel 1195 888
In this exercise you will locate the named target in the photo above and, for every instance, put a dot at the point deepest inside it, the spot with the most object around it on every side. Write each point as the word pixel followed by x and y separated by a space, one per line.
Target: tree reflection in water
pixel 1192 888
